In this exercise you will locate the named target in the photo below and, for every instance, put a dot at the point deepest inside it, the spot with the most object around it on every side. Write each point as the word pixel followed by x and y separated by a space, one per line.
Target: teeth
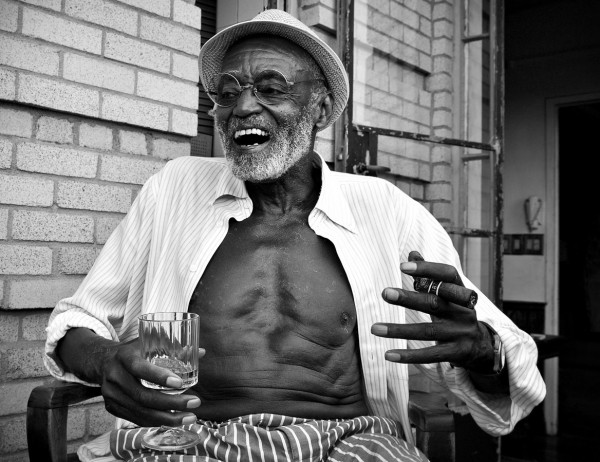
pixel 250 131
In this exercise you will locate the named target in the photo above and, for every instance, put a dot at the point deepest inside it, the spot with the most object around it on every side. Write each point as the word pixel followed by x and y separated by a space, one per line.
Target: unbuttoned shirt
pixel 155 258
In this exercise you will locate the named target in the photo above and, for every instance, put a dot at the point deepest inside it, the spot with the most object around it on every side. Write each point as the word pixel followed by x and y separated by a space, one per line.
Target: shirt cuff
pixel 57 329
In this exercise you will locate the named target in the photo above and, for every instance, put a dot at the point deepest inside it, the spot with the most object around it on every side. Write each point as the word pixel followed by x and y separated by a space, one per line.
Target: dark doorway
pixel 579 271
pixel 579 303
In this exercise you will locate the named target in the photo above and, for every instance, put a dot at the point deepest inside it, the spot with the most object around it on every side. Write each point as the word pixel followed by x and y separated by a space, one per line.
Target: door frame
pixel 552 314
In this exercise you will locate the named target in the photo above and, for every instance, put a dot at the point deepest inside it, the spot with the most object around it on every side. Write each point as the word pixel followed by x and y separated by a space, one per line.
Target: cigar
pixel 453 293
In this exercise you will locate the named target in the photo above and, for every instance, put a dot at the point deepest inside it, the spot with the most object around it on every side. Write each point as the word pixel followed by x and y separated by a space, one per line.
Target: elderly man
pixel 285 262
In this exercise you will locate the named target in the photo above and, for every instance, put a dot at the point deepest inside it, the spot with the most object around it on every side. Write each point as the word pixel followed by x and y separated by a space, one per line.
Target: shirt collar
pixel 229 185
pixel 332 201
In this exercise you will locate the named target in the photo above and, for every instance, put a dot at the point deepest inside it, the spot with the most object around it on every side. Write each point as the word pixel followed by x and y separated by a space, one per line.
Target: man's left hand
pixel 459 337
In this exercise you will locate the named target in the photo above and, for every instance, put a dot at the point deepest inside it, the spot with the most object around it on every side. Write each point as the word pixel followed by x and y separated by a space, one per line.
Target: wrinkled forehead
pixel 258 52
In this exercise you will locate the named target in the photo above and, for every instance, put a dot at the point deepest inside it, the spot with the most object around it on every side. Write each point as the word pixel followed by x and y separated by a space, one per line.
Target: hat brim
pixel 213 52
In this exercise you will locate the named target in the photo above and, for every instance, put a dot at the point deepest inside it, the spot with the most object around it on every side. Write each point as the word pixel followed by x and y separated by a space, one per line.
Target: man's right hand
pixel 118 369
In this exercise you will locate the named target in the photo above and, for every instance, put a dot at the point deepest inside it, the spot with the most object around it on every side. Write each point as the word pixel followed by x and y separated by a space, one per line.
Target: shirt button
pixel 193 268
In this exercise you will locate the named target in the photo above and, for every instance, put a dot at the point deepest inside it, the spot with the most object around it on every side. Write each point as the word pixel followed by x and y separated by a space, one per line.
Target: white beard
pixel 288 144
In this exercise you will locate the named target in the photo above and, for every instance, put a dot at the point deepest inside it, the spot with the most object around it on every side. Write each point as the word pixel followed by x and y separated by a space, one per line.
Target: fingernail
pixel 189 419
pixel 174 382
pixel 391 295
pixel 408 266
pixel 392 356
pixel 192 403
pixel 379 329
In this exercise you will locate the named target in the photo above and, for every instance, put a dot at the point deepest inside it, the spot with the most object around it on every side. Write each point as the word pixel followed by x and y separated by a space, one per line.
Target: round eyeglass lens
pixel 226 91
pixel 271 87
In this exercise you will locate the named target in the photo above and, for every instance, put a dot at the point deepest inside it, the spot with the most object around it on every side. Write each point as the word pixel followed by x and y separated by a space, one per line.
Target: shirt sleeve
pixel 494 413
pixel 110 297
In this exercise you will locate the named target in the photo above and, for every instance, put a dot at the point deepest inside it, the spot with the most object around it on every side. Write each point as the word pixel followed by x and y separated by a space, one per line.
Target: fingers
pixel 428 355
pixel 451 292
pixel 439 279
pixel 155 374
pixel 124 388
pixel 428 331
pixel 417 267
pixel 146 417
pixel 159 375
pixel 465 351
pixel 127 361
pixel 126 397
pixel 439 292
pixel 427 303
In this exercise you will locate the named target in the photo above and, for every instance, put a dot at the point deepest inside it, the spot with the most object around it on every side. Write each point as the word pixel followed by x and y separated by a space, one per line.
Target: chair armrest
pixel 47 411
pixel 434 423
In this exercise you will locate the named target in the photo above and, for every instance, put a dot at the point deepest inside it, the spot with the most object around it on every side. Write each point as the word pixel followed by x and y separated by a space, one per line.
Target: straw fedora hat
pixel 281 24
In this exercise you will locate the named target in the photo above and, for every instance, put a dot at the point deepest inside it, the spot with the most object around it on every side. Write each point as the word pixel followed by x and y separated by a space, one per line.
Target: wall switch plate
pixel 523 244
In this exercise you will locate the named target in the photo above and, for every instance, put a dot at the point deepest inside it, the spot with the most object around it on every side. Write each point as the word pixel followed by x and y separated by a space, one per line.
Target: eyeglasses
pixel 269 87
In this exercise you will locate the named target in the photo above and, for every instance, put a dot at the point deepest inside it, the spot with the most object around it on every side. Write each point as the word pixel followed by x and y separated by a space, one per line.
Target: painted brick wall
pixel 95 97
pixel 440 84
pixel 126 61
pixel 403 80
pixel 321 15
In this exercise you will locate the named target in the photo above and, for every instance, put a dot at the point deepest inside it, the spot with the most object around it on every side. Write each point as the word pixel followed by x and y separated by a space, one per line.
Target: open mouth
pixel 251 137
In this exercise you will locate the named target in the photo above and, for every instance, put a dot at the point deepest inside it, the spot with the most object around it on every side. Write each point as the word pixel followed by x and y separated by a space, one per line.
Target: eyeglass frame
pixel 289 84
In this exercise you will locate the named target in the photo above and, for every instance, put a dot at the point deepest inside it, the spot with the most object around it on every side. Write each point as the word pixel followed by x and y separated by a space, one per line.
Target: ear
pixel 323 111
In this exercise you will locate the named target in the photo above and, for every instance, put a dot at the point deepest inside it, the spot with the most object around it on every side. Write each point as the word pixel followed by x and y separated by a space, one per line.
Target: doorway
pixel 567 429
pixel 579 271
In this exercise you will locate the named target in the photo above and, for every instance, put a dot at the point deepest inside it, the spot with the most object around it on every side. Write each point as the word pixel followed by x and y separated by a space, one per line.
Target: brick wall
pixel 441 84
pixel 321 15
pixel 403 80
pixel 95 96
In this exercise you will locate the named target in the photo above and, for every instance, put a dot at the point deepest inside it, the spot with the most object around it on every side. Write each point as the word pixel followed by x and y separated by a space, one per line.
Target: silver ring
pixel 434 286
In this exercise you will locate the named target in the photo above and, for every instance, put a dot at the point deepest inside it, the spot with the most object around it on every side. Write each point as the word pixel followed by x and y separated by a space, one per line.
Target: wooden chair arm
pixel 434 423
pixel 47 411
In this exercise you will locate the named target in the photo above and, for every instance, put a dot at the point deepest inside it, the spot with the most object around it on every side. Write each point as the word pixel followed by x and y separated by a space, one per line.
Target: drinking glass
pixel 171 341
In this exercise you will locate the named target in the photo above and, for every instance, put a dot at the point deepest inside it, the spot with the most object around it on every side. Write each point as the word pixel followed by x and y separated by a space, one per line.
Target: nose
pixel 247 104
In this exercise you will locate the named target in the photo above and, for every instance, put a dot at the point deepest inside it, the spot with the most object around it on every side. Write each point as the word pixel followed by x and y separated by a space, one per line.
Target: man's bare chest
pixel 274 277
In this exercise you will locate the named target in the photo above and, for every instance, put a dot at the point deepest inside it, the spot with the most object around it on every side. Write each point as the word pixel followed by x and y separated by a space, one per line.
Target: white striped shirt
pixel 156 256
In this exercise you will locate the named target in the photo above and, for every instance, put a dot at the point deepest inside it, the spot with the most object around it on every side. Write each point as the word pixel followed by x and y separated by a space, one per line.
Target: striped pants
pixel 276 438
